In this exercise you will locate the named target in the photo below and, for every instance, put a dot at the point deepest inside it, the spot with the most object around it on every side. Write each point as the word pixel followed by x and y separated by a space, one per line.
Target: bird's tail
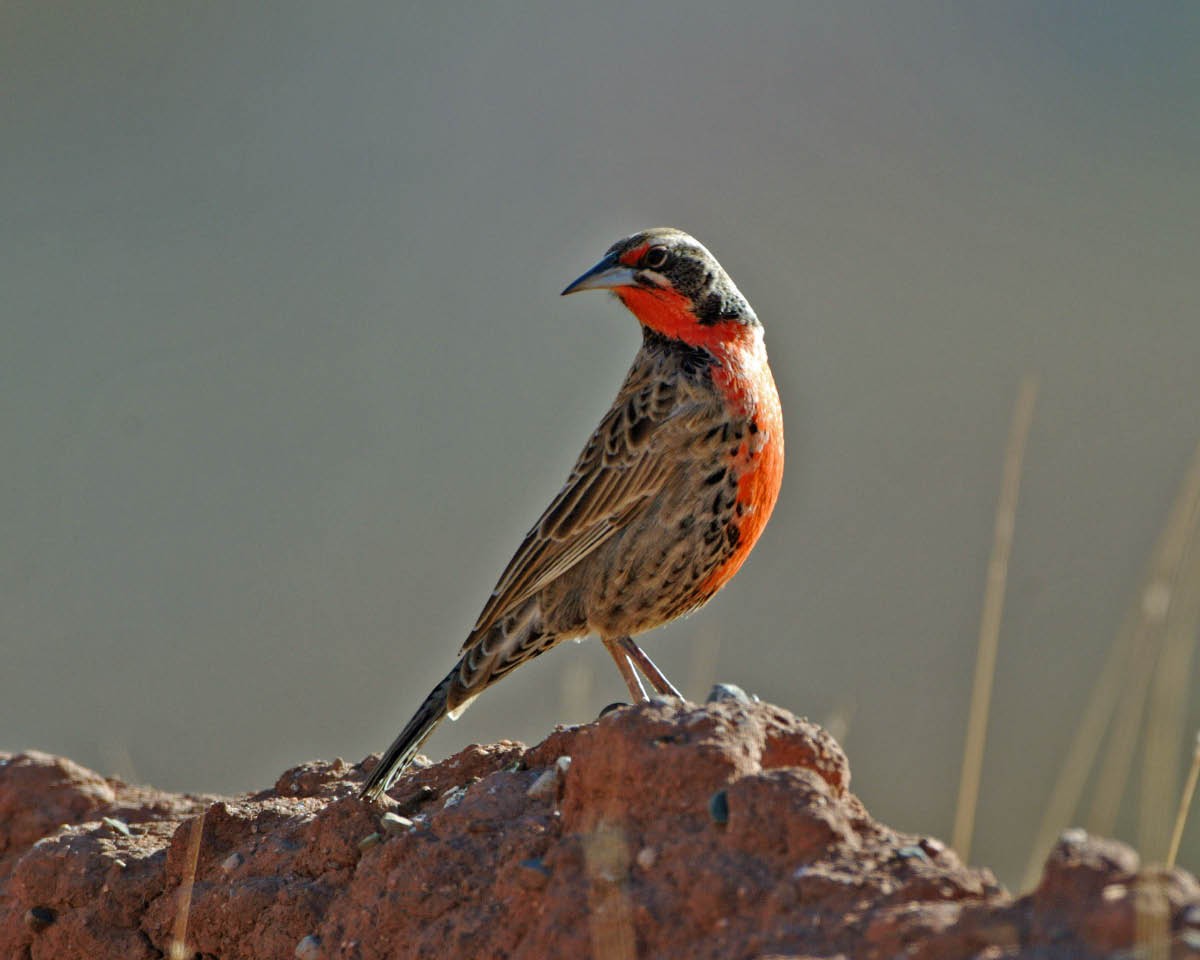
pixel 416 732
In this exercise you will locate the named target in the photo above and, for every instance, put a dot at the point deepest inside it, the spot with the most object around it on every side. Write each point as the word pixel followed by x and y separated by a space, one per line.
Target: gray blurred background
pixel 285 377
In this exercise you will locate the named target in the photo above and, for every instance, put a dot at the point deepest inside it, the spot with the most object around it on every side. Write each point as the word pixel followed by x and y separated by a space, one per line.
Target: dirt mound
pixel 663 830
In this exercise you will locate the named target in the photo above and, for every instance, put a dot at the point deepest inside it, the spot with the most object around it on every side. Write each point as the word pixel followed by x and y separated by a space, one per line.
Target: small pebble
pixel 119 825
pixel 646 857
pixel 612 707
pixel 727 691
pixel 309 948
pixel 394 824
pixel 1114 892
pixel 367 842
pixel 535 863
pixel 546 785
pixel 453 797
pixel 38 919
pixel 912 853
pixel 1191 916
pixel 718 807
pixel 1073 836
pixel 232 862
pixel 932 846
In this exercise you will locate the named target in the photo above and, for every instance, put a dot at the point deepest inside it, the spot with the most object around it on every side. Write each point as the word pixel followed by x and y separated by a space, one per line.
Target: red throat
pixel 670 313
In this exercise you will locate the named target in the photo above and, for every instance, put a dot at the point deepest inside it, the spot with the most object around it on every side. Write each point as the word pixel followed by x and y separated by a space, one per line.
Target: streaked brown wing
pixel 621 470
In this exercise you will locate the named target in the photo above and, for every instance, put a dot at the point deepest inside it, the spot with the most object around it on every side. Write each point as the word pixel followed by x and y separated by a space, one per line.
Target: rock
pixel 629 854
pixel 69 794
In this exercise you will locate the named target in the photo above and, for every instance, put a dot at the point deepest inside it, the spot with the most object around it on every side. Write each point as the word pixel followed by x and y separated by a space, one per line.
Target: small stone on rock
pixel 1073 836
pixel 932 846
pixel 646 857
pixel 119 825
pixel 395 824
pixel 309 948
pixel 727 691
pixel 612 707
pixel 232 862
pixel 718 807
pixel 38 919
pixel 545 785
pixel 367 842
pixel 453 797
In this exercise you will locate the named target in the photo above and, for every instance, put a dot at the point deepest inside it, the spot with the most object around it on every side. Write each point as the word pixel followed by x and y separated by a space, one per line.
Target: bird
pixel 665 502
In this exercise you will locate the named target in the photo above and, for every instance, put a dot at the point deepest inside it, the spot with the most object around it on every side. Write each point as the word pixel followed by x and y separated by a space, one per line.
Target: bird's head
pixel 674 286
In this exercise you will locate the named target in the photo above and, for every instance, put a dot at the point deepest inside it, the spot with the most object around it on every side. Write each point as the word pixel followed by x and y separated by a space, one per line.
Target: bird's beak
pixel 606 275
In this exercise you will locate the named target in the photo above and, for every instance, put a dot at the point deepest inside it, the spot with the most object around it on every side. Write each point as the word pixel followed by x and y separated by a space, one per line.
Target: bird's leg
pixel 658 680
pixel 625 665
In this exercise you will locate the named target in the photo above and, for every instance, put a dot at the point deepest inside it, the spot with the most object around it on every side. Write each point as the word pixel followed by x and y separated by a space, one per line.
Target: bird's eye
pixel 655 258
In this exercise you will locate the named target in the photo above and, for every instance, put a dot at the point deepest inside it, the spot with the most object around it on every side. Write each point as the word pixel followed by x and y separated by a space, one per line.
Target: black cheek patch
pixel 711 310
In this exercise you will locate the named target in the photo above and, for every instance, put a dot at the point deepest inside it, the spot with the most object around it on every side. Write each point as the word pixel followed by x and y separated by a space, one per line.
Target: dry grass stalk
pixel 989 626
pixel 1134 639
pixel 610 912
pixel 1167 719
pixel 179 948
pixel 1185 804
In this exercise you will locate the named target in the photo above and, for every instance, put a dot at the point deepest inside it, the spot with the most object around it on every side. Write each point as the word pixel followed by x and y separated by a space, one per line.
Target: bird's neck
pixel 672 315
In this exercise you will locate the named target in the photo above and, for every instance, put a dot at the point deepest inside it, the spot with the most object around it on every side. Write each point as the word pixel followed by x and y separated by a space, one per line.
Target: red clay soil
pixel 724 831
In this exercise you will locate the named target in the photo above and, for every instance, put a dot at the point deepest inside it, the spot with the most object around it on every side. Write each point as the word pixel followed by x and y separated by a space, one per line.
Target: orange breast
pixel 759 462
